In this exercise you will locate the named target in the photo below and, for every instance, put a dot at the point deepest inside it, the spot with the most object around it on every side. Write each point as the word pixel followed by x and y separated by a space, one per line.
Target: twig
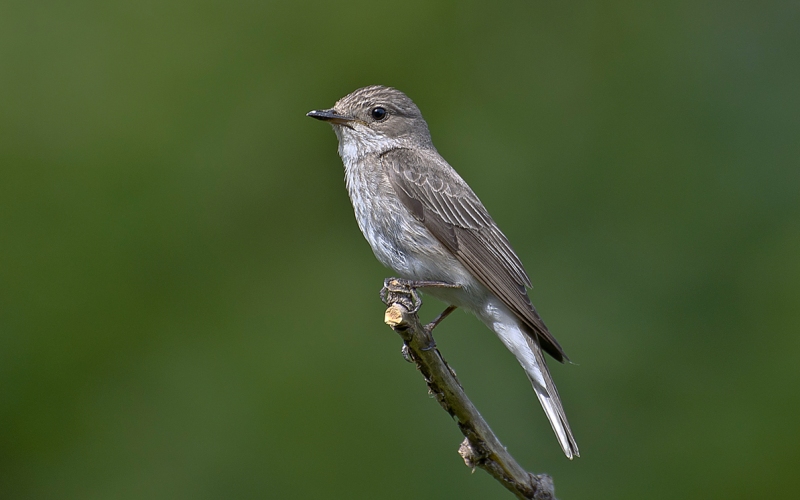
pixel 480 448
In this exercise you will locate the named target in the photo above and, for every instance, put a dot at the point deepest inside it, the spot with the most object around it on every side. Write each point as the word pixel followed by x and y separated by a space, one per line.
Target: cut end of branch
pixel 394 316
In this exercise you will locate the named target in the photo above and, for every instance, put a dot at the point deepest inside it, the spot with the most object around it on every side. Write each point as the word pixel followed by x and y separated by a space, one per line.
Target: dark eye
pixel 378 113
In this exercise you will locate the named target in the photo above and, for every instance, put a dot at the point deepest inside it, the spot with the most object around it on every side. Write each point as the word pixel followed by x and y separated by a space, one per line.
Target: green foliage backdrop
pixel 187 308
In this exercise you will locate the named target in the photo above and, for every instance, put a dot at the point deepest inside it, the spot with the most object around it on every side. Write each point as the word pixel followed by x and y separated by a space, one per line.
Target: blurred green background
pixel 188 310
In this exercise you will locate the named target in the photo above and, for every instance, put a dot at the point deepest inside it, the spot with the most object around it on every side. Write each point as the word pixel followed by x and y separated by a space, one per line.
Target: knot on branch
pixel 544 489
pixel 468 453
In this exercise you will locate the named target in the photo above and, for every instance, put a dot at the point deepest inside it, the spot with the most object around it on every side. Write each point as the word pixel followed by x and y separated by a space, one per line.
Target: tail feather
pixel 528 352
pixel 551 402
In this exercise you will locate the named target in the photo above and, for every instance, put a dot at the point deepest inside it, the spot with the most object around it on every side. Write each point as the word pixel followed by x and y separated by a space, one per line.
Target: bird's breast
pixel 398 240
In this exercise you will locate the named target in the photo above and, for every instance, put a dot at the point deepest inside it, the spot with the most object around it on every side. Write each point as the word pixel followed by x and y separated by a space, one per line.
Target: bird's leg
pixel 404 291
pixel 430 326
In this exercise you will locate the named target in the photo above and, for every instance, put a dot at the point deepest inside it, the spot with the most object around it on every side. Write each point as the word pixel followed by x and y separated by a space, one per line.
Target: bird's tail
pixel 529 354
pixel 547 393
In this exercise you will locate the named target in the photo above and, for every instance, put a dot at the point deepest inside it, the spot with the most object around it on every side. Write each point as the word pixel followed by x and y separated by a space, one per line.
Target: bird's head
pixel 377 117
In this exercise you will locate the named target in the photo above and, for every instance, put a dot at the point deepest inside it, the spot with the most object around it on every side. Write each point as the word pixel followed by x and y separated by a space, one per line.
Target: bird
pixel 425 223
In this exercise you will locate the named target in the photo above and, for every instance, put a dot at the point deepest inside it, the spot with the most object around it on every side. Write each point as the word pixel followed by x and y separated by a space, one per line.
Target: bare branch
pixel 480 448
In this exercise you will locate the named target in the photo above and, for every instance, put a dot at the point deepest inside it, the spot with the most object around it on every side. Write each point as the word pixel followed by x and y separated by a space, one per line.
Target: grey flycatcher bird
pixel 424 222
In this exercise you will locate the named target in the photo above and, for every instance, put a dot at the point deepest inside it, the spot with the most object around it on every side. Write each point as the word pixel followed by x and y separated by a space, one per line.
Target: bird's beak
pixel 329 115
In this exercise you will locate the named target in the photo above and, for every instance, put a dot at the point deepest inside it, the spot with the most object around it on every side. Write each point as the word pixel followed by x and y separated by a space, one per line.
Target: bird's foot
pixel 406 352
pixel 431 345
pixel 403 291
pixel 397 291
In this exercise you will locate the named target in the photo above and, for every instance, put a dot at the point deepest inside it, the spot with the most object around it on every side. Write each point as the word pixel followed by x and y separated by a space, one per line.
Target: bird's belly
pixel 403 244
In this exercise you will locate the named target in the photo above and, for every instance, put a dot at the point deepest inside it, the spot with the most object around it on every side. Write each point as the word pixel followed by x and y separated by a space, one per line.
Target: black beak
pixel 329 115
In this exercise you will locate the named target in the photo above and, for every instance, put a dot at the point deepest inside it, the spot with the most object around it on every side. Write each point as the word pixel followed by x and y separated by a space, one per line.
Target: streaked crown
pixel 385 111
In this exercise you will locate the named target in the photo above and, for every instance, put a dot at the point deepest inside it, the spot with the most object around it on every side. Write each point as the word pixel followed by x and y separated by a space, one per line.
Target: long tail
pixel 547 393
pixel 529 354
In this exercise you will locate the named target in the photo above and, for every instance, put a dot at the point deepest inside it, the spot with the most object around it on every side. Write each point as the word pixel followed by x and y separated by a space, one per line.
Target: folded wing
pixel 445 204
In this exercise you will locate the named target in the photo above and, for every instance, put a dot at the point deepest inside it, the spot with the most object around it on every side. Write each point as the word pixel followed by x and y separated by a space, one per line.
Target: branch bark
pixel 480 448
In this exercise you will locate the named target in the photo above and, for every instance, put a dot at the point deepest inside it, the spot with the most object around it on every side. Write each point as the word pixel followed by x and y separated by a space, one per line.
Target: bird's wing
pixel 439 198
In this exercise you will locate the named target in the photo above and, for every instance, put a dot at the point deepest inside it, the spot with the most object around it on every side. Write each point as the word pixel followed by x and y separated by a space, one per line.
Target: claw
pixel 404 292
pixel 430 346
pixel 406 352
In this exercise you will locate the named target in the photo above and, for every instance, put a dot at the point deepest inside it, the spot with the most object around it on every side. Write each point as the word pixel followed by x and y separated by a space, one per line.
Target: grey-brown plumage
pixel 453 213
pixel 423 221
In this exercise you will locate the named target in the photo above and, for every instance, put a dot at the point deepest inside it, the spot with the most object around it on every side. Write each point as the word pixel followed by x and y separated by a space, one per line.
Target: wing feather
pixel 438 197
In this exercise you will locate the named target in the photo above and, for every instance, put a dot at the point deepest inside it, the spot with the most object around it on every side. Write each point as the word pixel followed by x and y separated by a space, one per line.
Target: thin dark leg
pixel 430 326
pixel 428 284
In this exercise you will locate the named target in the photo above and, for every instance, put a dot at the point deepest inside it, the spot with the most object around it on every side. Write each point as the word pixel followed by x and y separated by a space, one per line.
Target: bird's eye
pixel 378 113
